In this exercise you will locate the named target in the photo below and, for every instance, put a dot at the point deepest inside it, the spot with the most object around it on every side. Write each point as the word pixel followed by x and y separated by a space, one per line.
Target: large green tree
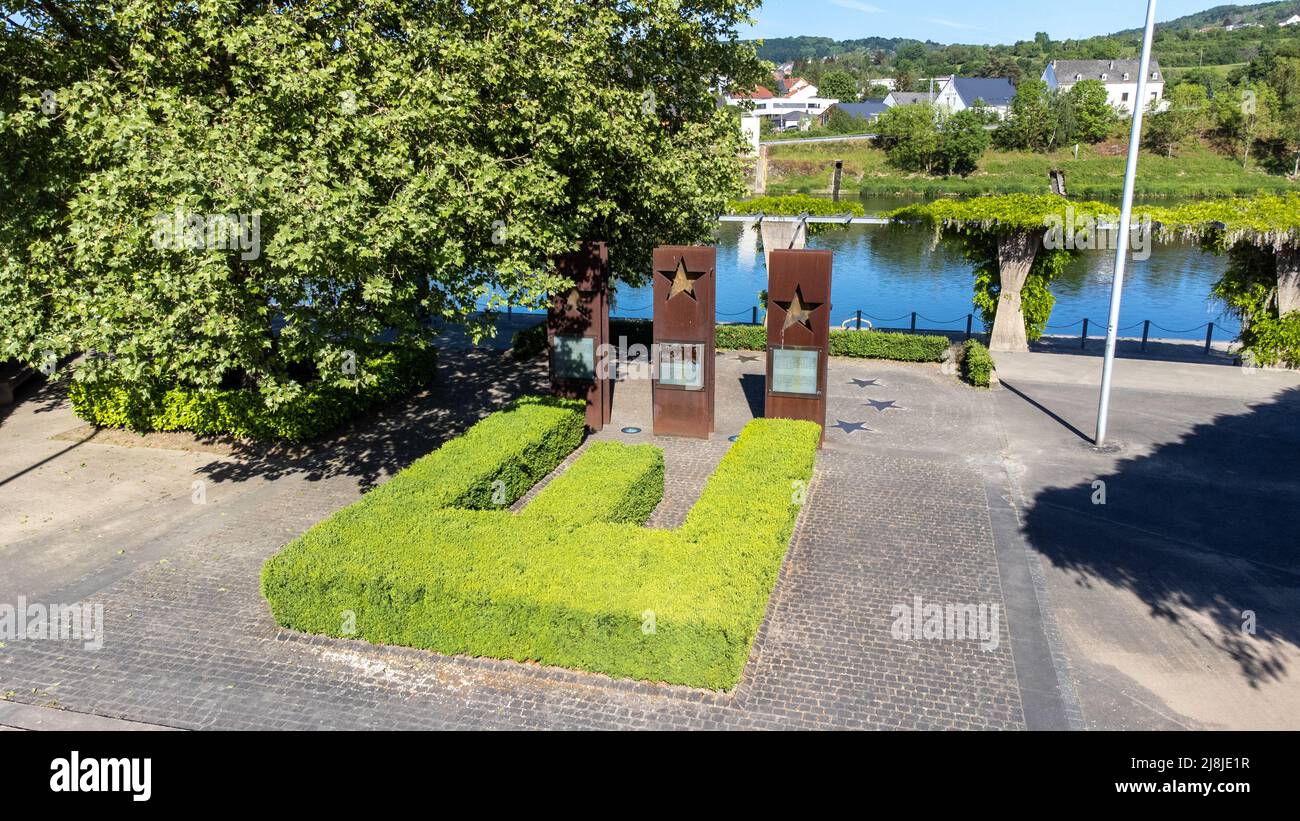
pixel 1091 114
pixel 838 85
pixel 401 162
pixel 1183 118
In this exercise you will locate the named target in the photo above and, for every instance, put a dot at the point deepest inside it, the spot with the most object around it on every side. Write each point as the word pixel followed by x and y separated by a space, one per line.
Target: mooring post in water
pixel 835 186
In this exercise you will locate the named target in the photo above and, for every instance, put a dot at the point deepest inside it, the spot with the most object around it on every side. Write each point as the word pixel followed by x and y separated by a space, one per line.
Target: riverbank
pixel 1098 173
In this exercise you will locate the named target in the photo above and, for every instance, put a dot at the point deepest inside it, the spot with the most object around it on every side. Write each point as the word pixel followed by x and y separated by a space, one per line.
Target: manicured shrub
pixel 111 403
pixel 741 337
pixel 573 580
pixel 882 345
pixel 857 344
pixel 976 364
pixel 529 342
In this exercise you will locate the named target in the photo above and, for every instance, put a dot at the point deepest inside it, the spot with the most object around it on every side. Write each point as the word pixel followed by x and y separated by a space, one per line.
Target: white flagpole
pixel 1125 223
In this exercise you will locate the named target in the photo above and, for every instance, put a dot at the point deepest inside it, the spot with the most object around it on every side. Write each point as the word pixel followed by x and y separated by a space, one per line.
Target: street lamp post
pixel 1125 223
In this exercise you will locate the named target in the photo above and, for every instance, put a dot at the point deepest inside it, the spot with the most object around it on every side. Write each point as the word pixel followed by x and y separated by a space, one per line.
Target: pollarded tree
pixel 400 161
pixel 1016 245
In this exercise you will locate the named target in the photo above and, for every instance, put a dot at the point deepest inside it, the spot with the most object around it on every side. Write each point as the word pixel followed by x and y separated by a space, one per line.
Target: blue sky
pixel 960 21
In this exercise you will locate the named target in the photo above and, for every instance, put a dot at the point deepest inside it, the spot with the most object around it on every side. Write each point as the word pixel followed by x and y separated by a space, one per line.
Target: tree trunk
pixel 1016 254
pixel 1288 280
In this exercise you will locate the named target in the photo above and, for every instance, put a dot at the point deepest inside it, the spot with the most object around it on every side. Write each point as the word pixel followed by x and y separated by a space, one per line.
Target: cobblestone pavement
pixel 899 511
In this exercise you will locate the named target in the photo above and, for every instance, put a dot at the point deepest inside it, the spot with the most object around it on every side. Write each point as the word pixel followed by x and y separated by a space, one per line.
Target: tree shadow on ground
pixel 1203 530
pixel 471 384
pixel 40 394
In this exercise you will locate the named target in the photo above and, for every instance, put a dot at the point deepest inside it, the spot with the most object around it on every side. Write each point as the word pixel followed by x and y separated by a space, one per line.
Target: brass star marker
pixel 797 311
pixel 573 300
pixel 683 280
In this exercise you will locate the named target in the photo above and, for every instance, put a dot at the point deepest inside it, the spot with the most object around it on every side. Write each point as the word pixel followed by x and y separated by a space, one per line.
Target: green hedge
pixel 243 413
pixel 977 364
pixel 529 342
pixel 882 345
pixel 898 347
pixel 573 580
pixel 856 344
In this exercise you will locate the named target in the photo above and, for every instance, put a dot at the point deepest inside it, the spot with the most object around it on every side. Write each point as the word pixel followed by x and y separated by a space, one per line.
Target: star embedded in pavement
pixel 748 358
pixel 797 311
pixel 852 427
pixel 867 383
pixel 683 280
pixel 883 406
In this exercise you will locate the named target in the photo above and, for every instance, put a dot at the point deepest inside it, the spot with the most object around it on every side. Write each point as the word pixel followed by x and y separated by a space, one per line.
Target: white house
pixel 960 93
pixel 1119 76
pixel 791 102
pixel 1293 20
pixel 990 93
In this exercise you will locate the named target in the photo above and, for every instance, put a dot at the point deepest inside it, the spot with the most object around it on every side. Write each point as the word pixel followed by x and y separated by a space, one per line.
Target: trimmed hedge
pixel 882 345
pixel 529 342
pixel 977 364
pixel 109 403
pixel 573 580
pixel 898 347
pixel 855 344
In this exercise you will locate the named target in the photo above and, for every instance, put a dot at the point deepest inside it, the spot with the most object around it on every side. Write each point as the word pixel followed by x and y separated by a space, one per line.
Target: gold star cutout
pixel 683 280
pixel 797 311
pixel 573 300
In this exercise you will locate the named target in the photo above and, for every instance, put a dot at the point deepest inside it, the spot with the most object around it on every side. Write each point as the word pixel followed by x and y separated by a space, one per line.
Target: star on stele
pixel 683 280
pixel 797 311
pixel 573 300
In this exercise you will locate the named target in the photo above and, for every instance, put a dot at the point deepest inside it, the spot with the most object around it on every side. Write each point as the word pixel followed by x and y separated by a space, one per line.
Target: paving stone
pixel 190 643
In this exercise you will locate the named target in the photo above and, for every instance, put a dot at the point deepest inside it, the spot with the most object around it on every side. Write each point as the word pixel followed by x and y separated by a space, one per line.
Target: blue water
pixel 888 272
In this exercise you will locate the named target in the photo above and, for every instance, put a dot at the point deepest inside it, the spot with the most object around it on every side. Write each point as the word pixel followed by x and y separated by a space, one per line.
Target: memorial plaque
pixel 574 357
pixel 577 330
pixel 681 365
pixel 684 315
pixel 798 334
pixel 796 371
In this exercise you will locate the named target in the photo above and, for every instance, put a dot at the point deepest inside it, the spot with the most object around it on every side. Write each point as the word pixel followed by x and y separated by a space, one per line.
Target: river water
pixel 888 272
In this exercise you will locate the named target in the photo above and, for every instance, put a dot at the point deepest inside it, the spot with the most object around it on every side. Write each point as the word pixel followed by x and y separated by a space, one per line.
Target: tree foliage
pixel 926 138
pixel 1184 117
pixel 405 161
pixel 838 85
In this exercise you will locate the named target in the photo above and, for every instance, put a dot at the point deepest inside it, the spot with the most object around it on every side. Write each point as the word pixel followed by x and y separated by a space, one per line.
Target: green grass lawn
pixel 1197 171
pixel 434 559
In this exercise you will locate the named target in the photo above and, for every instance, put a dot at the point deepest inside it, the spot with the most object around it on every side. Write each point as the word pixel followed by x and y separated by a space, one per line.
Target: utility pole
pixel 1125 223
